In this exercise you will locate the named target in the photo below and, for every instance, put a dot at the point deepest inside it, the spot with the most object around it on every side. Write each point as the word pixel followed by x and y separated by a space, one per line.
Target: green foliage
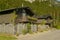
pixel 57 26
pixel 43 22
pixel 30 32
pixel 7 38
pixel 31 18
pixel 28 27
pixel 24 31
pixel 13 15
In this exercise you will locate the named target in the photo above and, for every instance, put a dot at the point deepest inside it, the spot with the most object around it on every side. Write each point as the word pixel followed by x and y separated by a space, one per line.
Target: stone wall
pixel 13 29
pixel 8 28
pixel 34 27
pixel 21 27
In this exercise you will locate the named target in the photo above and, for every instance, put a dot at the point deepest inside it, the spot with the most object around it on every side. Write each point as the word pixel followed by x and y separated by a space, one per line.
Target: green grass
pixel 58 27
pixel 7 38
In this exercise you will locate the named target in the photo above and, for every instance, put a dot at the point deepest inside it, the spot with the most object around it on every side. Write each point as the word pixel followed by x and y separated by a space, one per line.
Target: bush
pixel 17 34
pixel 30 32
pixel 24 31
pixel 28 27
pixel 57 27
pixel 43 22
pixel 31 18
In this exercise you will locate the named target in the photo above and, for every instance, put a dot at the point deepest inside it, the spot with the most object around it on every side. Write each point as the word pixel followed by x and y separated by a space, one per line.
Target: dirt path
pixel 50 35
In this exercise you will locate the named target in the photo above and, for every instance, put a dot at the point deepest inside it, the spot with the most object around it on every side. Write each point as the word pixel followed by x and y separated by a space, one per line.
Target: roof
pixel 26 9
pixel 18 11
pixel 6 15
pixel 7 11
pixel 44 17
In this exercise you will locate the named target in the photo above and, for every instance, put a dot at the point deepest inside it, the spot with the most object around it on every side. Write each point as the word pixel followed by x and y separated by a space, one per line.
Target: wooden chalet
pixel 7 16
pixel 23 14
pixel 47 18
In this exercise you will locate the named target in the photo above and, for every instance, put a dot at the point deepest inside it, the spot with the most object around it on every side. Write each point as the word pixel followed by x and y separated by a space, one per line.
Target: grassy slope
pixel 38 7
pixel 7 38
pixel 4 36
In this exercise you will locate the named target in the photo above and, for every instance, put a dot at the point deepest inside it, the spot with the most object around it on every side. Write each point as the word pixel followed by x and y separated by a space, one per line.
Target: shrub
pixel 30 32
pixel 57 27
pixel 24 31
pixel 29 28
pixel 43 22
pixel 31 18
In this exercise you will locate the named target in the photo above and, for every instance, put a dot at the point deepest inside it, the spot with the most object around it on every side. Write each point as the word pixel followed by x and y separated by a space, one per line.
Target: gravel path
pixel 50 35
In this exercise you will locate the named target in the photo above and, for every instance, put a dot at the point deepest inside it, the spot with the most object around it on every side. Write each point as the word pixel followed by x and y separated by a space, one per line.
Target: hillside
pixel 36 6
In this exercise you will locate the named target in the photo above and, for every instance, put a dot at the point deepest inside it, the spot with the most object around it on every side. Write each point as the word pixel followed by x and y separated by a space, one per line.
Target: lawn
pixel 5 37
